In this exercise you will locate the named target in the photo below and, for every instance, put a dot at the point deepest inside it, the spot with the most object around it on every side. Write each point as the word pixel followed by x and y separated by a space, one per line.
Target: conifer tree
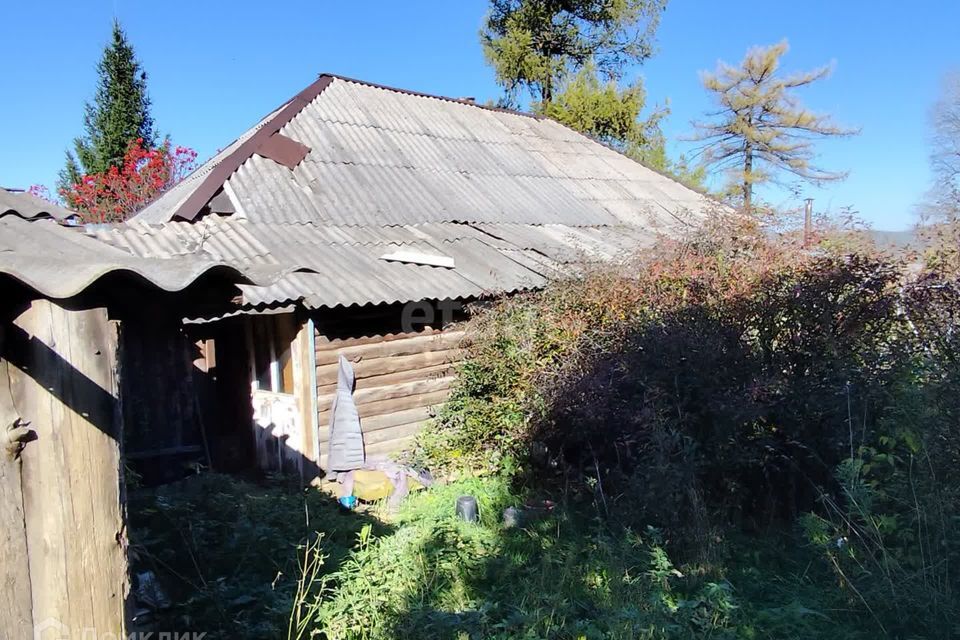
pixel 606 112
pixel 536 44
pixel 119 114
pixel 760 128
pixel 570 56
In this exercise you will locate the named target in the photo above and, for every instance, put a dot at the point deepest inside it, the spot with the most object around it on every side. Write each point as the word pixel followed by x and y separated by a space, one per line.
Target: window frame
pixel 270 334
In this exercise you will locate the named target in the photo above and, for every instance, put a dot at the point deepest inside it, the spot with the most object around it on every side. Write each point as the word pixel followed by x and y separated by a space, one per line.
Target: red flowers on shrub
pixel 119 192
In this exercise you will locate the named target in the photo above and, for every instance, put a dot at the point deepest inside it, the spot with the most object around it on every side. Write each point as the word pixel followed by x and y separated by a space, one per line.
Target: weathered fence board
pixel 63 380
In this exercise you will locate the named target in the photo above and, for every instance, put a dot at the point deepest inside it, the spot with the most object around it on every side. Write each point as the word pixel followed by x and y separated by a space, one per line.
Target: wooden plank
pixel 398 432
pixel 387 392
pixel 15 592
pixel 63 381
pixel 375 423
pixel 395 404
pixel 426 373
pixel 17 618
pixel 380 366
pixel 325 344
pixel 403 347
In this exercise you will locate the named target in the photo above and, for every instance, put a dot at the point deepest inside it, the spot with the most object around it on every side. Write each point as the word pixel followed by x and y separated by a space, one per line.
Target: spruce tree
pixel 119 113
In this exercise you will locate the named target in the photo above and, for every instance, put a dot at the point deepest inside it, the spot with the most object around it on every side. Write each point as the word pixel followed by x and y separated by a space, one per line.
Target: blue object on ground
pixel 348 502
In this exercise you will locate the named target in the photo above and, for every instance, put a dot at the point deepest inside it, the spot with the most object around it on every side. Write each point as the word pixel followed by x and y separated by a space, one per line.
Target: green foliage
pixel 760 128
pixel 225 551
pixel 534 44
pixel 609 114
pixel 561 576
pixel 733 385
pixel 570 56
pixel 119 113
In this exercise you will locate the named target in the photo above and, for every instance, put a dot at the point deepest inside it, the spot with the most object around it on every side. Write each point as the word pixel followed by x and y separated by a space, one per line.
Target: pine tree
pixel 119 113
pixel 536 44
pixel 761 129
pixel 605 112
pixel 569 56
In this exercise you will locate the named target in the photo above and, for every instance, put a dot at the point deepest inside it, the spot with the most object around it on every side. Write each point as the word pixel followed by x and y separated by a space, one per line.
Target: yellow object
pixel 370 486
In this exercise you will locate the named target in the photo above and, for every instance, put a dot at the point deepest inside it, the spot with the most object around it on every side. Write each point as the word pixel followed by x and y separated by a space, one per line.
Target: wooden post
pixel 62 372
pixel 17 618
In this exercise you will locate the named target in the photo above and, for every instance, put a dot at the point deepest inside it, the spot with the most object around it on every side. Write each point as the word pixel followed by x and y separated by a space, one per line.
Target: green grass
pixel 567 576
pixel 225 550
pixel 229 555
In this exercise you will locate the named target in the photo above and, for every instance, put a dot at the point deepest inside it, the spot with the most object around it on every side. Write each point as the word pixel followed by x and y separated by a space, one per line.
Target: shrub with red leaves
pixel 119 192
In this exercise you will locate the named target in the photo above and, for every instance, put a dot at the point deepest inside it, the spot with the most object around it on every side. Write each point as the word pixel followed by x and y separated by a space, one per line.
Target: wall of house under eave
pixel 401 377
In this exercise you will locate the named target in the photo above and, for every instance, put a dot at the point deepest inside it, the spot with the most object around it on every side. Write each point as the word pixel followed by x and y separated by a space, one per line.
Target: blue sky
pixel 217 67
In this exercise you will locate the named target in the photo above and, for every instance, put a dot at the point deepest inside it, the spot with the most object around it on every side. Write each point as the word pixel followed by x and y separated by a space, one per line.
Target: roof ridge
pixel 188 202
pixel 421 94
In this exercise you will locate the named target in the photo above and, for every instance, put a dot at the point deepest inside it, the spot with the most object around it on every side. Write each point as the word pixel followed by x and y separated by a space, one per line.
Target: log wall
pixel 401 379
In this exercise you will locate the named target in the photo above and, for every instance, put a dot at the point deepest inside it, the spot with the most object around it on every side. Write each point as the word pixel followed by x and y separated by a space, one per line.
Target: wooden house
pixel 387 211
pixel 74 312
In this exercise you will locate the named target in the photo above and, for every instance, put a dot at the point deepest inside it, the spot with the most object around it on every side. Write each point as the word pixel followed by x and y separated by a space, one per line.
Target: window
pixel 272 337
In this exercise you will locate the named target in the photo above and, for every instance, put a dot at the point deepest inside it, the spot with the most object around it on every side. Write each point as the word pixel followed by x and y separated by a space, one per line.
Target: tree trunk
pixel 747 175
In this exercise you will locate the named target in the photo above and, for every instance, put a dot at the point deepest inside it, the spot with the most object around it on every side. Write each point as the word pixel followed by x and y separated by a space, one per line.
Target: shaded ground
pixel 226 553
pixel 225 550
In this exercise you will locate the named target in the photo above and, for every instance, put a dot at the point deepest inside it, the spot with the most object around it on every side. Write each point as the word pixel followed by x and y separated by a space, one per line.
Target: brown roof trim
pixel 219 174
pixel 214 180
pixel 283 150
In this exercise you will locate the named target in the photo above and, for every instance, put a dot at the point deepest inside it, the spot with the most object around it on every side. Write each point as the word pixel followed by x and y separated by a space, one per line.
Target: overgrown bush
pixel 731 384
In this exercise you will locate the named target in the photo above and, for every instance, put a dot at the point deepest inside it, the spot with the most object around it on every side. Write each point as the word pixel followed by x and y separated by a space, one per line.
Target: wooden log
pixel 416 343
pixel 398 432
pixel 63 381
pixel 394 404
pixel 327 374
pixel 389 447
pixel 388 392
pixel 325 344
pixel 375 423
pixel 426 373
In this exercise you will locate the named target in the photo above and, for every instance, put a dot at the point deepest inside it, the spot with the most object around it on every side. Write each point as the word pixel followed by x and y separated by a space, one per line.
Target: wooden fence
pixel 62 538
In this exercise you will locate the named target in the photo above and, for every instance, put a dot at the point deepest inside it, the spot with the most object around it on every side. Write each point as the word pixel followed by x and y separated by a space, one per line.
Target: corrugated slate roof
pixel 346 262
pixel 381 156
pixel 512 199
pixel 60 262
pixel 28 206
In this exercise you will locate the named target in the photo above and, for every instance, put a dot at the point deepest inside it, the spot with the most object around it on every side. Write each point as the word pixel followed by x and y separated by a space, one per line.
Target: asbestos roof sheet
pixel 60 262
pixel 29 207
pixel 380 156
pixel 345 263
